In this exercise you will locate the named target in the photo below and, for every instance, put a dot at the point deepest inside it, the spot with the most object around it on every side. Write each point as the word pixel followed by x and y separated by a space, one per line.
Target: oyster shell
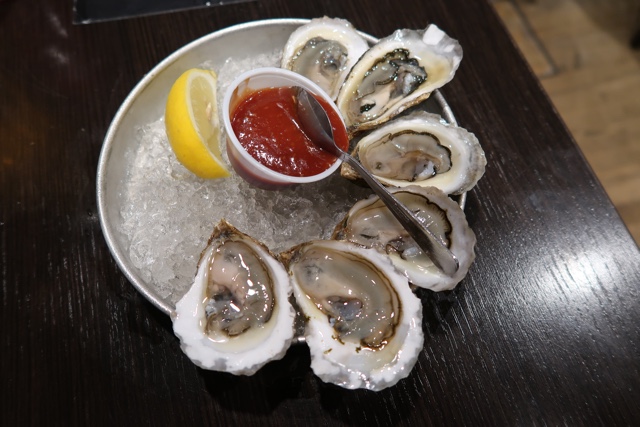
pixel 399 71
pixel 324 50
pixel 236 316
pixel 369 223
pixel 421 149
pixel 364 325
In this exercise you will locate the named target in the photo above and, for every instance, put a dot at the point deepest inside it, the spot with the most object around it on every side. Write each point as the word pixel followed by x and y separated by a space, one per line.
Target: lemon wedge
pixel 192 124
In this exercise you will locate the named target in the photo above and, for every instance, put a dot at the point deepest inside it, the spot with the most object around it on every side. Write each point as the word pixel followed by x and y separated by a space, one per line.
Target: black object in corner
pixel 88 11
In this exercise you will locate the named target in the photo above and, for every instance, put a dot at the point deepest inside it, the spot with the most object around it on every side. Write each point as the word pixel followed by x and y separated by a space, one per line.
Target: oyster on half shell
pixel 364 325
pixel 236 316
pixel 399 71
pixel 370 223
pixel 420 149
pixel 324 50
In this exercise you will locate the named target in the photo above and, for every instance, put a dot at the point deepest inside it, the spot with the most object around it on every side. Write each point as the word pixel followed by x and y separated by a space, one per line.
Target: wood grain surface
pixel 566 42
pixel 543 331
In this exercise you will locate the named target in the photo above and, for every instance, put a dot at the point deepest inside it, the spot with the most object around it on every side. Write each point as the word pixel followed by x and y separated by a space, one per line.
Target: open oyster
pixel 236 317
pixel 369 223
pixel 363 322
pixel 421 149
pixel 324 50
pixel 399 71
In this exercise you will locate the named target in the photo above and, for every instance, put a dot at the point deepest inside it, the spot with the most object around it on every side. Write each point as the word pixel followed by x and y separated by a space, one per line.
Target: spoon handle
pixel 439 253
pixel 316 124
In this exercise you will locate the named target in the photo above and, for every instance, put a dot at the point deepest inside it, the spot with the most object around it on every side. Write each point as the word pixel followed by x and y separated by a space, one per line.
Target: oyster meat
pixel 369 223
pixel 421 149
pixel 324 50
pixel 399 71
pixel 236 317
pixel 364 325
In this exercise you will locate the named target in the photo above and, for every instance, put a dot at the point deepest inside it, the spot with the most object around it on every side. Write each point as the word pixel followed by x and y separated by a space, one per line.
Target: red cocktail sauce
pixel 266 124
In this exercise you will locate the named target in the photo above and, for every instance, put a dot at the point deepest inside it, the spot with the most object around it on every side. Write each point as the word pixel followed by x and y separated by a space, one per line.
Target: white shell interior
pixel 346 363
pixel 468 160
pixel 248 352
pixel 335 29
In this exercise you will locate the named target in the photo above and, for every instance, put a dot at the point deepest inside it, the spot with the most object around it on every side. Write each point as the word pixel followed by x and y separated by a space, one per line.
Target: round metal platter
pixel 145 104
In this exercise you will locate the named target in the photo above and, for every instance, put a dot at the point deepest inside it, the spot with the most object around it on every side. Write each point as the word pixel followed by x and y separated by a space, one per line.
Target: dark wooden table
pixel 544 329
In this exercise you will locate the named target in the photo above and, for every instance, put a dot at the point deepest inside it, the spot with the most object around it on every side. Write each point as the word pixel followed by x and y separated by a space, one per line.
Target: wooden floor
pixel 580 50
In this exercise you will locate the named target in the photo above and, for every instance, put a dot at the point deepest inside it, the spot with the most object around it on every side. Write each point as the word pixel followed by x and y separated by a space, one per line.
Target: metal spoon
pixel 316 124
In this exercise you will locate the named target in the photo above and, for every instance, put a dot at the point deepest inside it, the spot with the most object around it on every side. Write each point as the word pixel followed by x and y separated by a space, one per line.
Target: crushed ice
pixel 168 213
